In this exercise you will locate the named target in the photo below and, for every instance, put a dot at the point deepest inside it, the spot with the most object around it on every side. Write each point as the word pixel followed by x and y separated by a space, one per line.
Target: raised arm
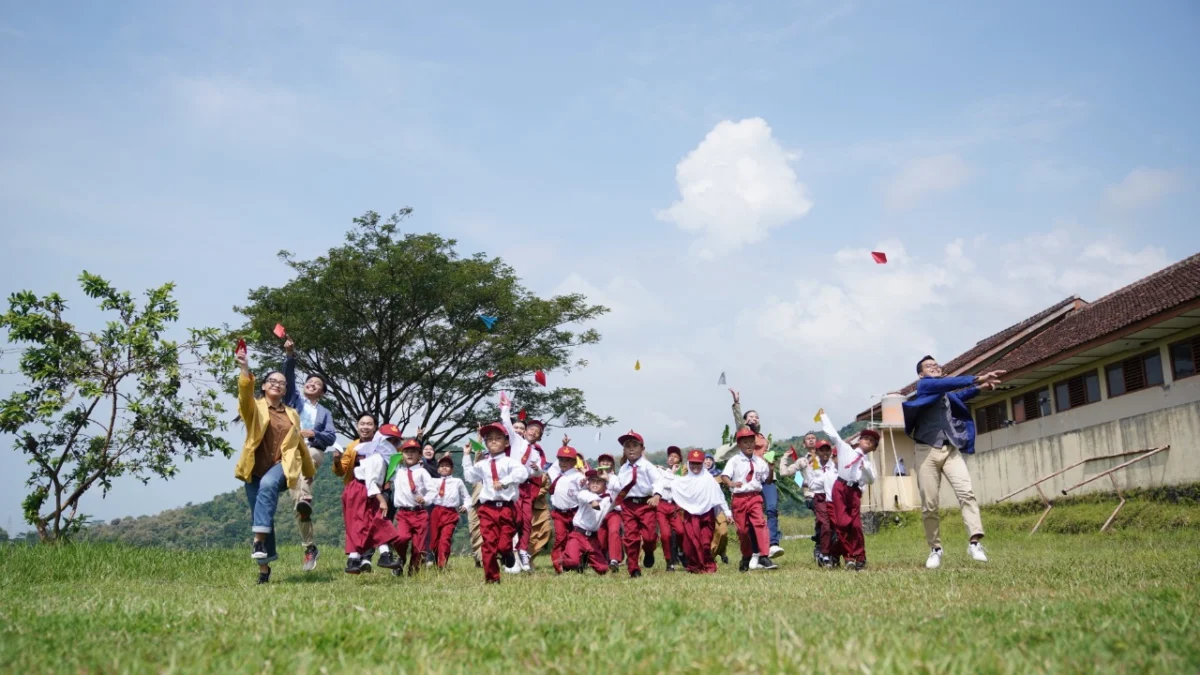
pixel 246 405
pixel 516 441
pixel 737 410
pixel 832 432
pixel 927 386
pixel 470 473
pixel 290 396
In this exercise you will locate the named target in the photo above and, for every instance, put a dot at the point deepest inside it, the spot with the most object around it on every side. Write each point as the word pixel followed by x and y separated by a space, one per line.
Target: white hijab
pixel 379 445
pixel 697 493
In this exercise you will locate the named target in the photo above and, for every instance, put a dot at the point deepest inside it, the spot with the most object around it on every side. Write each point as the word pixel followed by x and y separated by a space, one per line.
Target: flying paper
pixel 792 448
pixel 817 417
pixel 476 445
pixel 491 373
pixel 488 321
pixel 540 378
pixel 637 365
pixel 241 347
pixel 721 380
pixel 504 400
pixel 597 435
pixel 521 415
pixel 880 257
pixel 280 332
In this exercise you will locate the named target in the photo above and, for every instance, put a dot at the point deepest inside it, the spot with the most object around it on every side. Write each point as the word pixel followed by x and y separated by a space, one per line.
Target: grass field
pixel 1121 602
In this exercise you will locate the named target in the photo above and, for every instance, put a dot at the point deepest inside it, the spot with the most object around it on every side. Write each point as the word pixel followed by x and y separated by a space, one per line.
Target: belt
pixel 410 508
pixel 843 481
pixel 747 494
pixel 584 532
pixel 495 503
pixel 637 500
pixel 564 512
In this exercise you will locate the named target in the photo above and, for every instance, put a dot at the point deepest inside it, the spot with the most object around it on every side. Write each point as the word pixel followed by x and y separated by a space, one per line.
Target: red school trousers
pixel 580 544
pixel 697 541
pixel 824 525
pixel 442 521
pixel 526 494
pixel 562 529
pixel 639 521
pixel 669 525
pixel 497 525
pixel 366 528
pixel 610 535
pixel 847 520
pixel 750 521
pixel 411 525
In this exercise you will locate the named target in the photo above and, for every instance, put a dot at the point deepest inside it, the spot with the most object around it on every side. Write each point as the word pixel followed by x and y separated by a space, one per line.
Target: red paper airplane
pixel 540 378
pixel 879 256
pixel 241 347
pixel 793 451
pixel 491 373
pixel 521 415
pixel 279 331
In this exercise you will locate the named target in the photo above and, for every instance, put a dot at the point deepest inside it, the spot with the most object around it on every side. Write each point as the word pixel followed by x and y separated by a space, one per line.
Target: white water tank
pixel 893 413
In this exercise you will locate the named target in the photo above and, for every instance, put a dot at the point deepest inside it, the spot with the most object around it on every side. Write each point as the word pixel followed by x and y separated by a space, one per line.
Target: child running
pixel 565 483
pixel 500 477
pixel 583 543
pixel 854 469
pixel 449 498
pixel 363 505
pixel 744 475
pixel 636 477
pixel 699 498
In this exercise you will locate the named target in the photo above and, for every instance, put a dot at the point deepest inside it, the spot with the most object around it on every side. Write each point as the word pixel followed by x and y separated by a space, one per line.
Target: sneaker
pixel 635 574
pixel 310 558
pixel 975 549
pixel 264 577
pixel 515 569
pixel 767 564
pixel 366 566
pixel 259 552
pixel 670 567
pixel 397 571
pixel 754 563
pixel 860 565
pixel 648 559
pixel 744 566
pixel 353 565
pixel 934 560
pixel 775 551
pixel 724 560
pixel 388 561
pixel 526 566
pixel 304 507
pixel 613 566
pixel 478 563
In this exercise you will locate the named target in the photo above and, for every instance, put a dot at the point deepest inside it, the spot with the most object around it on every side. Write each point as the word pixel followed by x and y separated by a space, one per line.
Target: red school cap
pixel 567 452
pixel 695 455
pixel 494 426
pixel 603 457
pixel 869 433
pixel 390 430
pixel 631 436
pixel 744 432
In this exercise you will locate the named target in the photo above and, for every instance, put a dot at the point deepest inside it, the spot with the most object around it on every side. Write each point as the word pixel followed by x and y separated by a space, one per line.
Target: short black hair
pixel 323 387
pixel 374 418
pixel 747 414
pixel 923 360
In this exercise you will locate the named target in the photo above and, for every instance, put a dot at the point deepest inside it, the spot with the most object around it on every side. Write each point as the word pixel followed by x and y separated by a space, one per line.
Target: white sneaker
pixel 934 560
pixel 523 561
pixel 775 552
pixel 975 549
pixel 515 569
pixel 754 563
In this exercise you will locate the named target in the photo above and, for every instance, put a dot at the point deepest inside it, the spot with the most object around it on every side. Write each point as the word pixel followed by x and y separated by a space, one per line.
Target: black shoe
pixel 670 567
pixel 388 561
pixel 744 566
pixel 508 558
pixel 648 559
pixel 860 565
pixel 725 560
pixel 397 572
pixel 613 566
pixel 264 577
pixel 260 551
pixel 636 574
pixel 354 566
pixel 366 566
pixel 310 558
pixel 765 563
pixel 478 564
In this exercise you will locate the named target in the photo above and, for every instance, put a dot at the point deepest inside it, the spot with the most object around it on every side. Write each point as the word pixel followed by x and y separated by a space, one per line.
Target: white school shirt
pixel 518 446
pixel 647 473
pixel 566 487
pixel 821 480
pixel 587 517
pixel 853 465
pixel 737 468
pixel 663 483
pixel 372 470
pixel 403 496
pixel 455 492
pixel 699 493
pixel 510 471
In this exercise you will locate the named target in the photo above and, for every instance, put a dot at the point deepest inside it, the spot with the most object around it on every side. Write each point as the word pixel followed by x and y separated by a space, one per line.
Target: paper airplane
pixel 476 445
pixel 521 415
pixel 241 347
pixel 721 380
pixel 280 332
pixel 817 417
pixel 491 373
pixel 880 257
pixel 540 378
pixel 637 365
pixel 488 321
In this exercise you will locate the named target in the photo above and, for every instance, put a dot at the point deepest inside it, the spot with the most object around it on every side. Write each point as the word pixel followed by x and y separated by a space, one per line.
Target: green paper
pixel 393 463
pixel 770 457
pixel 476 445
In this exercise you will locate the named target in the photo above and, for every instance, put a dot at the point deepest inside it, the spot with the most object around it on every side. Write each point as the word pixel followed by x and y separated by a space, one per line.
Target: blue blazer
pixel 323 433
pixel 931 389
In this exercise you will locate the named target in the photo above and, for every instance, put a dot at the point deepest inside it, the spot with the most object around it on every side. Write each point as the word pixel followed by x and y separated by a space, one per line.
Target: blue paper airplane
pixel 488 321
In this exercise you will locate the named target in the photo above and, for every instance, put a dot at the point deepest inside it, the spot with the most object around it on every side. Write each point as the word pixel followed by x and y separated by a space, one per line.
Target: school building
pixel 1086 381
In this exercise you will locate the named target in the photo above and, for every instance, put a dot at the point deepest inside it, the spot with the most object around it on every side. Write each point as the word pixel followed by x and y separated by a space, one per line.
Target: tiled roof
pixel 989 343
pixel 1164 290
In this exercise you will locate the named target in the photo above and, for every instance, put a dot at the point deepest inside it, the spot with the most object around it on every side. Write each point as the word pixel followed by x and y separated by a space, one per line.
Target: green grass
pixel 1125 601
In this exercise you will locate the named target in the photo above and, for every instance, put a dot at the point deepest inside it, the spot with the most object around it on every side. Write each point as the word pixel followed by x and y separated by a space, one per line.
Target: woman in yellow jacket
pixel 273 458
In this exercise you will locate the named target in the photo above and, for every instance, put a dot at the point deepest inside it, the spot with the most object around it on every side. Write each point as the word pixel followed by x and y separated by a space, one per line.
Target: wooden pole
pixel 1118 467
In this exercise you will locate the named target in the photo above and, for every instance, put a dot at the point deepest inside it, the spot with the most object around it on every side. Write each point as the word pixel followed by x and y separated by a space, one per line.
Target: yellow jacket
pixel 345 468
pixel 295 458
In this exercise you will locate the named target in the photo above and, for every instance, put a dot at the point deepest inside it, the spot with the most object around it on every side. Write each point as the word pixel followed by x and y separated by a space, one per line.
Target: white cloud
pixel 924 176
pixel 735 187
pixel 1142 187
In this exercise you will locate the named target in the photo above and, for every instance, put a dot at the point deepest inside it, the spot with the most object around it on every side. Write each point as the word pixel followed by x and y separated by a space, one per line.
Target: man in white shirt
pixel 854 470
pixel 583 543
pixel 639 505
pixel 501 477
pixel 448 498
pixel 565 483
pixel 744 475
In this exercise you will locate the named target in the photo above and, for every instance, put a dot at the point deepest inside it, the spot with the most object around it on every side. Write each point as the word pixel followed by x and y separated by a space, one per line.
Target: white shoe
pixel 975 549
pixel 934 560
pixel 523 561
pixel 754 563
pixel 775 552
pixel 515 569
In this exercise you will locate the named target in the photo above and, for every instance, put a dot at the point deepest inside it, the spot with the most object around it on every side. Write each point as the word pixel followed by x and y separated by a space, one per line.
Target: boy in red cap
pixel 500 476
pixel 449 498
pixel 530 456
pixel 819 481
pixel 410 484
pixel 363 504
pixel 854 470
pixel 583 543
pixel 744 475
pixel 610 528
pixel 670 525
pixel 637 502
pixel 699 498
pixel 565 482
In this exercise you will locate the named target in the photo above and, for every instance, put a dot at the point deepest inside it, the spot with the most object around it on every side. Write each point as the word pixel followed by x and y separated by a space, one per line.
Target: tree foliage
pixel 391 322
pixel 97 405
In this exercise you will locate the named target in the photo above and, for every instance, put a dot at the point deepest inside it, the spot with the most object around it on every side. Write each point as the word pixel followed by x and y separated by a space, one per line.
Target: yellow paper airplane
pixel 637 365
pixel 820 412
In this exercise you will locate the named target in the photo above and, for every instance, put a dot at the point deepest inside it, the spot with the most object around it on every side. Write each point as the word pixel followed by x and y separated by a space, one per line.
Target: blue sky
pixel 716 174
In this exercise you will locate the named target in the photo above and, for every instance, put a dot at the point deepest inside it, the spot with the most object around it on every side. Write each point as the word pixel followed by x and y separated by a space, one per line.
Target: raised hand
pixel 736 397
pixel 289 347
pixel 566 440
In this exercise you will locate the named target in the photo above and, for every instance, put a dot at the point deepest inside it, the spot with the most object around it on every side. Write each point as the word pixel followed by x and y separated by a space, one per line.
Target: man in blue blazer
pixel 316 426
pixel 939 422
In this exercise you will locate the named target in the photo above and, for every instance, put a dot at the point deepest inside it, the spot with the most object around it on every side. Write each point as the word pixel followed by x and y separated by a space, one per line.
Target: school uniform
pixel 700 499
pixel 366 526
pixel 638 518
pixel 583 543
pixel 532 458
pixel 854 470
pixel 412 520
pixel 818 481
pixel 497 509
pixel 563 490
pixel 670 524
pixel 610 527
pixel 446 497
pixel 748 514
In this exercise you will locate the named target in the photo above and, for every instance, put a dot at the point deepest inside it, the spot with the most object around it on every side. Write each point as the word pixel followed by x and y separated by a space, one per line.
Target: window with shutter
pixel 1135 373
pixel 1077 391
pixel 991 417
pixel 1031 405
pixel 1185 358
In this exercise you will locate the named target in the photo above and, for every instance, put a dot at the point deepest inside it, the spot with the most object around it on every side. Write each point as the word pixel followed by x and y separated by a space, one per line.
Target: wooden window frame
pixel 1193 343
pixel 1141 359
pixel 1083 378
pixel 1003 416
pixel 1034 393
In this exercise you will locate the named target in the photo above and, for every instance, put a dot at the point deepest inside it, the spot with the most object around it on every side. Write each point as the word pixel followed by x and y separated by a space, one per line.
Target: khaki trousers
pixel 473 521
pixel 542 527
pixel 303 491
pixel 720 540
pixel 932 464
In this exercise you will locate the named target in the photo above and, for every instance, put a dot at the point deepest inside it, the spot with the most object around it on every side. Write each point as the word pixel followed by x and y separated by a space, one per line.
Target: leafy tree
pixel 391 322
pixel 122 400
pixel 3 536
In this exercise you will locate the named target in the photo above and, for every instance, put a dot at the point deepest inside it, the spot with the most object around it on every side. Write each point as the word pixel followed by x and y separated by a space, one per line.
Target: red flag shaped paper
pixel 880 257
pixel 521 415
pixel 241 347
pixel 540 378
pixel 279 331
pixel 491 373
pixel 793 451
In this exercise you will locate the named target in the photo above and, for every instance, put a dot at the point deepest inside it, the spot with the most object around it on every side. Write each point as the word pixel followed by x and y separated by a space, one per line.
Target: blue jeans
pixel 263 496
pixel 771 505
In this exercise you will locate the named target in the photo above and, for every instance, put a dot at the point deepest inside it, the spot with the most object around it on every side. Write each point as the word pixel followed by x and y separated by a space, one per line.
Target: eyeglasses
pixel 277 382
